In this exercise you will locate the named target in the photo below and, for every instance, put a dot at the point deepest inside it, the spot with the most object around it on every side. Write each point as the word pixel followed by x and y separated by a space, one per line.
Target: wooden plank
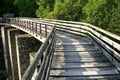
pixel 107 77
pixel 78 52
pixel 83 69
pixel 72 40
pixel 80 55
pixel 74 43
pixel 80 60
pixel 78 49
pixel 71 60
pixel 74 46
pixel 81 65
pixel 83 37
pixel 81 73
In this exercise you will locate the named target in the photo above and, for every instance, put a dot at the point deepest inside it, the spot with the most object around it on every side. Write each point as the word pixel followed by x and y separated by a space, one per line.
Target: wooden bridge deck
pixel 76 58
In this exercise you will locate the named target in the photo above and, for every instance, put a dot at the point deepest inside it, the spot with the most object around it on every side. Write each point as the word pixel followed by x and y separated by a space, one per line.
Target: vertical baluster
pixel 40 30
pixel 17 22
pixel 24 23
pixel 13 21
pixel 20 23
pixel 30 26
pixel 27 25
pixel 36 28
pixel 33 27
pixel 45 30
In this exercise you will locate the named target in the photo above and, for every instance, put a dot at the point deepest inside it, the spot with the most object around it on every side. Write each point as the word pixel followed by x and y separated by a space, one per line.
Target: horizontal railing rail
pixel 44 55
pixel 46 52
pixel 32 26
pixel 109 43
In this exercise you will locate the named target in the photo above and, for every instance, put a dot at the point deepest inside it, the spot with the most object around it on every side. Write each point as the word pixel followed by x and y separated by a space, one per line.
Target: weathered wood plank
pixel 95 52
pixel 78 49
pixel 105 77
pixel 73 43
pixel 81 73
pixel 75 46
pixel 81 60
pixel 79 55
pixel 74 57
pixel 83 69
pixel 81 65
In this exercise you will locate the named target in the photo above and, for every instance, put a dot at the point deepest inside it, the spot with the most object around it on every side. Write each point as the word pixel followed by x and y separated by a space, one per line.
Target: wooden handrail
pixel 28 74
pixel 47 47
pixel 84 24
pixel 109 42
pixel 46 50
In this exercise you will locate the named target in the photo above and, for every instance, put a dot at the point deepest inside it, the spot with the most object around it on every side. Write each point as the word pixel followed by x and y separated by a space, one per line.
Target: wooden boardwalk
pixel 76 58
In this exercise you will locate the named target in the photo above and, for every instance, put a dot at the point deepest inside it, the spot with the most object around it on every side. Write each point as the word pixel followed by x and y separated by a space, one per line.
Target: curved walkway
pixel 76 58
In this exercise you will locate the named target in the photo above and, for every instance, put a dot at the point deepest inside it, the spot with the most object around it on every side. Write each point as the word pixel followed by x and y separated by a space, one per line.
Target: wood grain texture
pixel 76 58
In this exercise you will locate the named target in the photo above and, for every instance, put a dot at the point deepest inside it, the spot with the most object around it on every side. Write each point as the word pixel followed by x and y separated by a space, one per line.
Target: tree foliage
pixel 67 9
pixel 102 13
pixel 45 6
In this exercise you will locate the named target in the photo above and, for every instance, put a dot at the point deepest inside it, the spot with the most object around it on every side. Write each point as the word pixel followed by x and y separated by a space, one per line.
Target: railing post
pixel 36 28
pixel 45 30
pixel 27 25
pixel 40 30
pixel 32 27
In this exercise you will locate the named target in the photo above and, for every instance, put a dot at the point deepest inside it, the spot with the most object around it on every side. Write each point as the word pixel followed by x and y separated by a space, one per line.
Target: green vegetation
pixel 102 13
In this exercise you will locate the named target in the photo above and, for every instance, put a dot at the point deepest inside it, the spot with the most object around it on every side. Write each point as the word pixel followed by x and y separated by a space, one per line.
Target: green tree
pixel 68 9
pixel 115 20
pixel 103 13
pixel 95 12
pixel 45 6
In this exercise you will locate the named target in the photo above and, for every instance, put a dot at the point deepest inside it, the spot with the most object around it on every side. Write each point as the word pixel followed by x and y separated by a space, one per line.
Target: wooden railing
pixel 44 55
pixel 108 42
pixel 46 52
